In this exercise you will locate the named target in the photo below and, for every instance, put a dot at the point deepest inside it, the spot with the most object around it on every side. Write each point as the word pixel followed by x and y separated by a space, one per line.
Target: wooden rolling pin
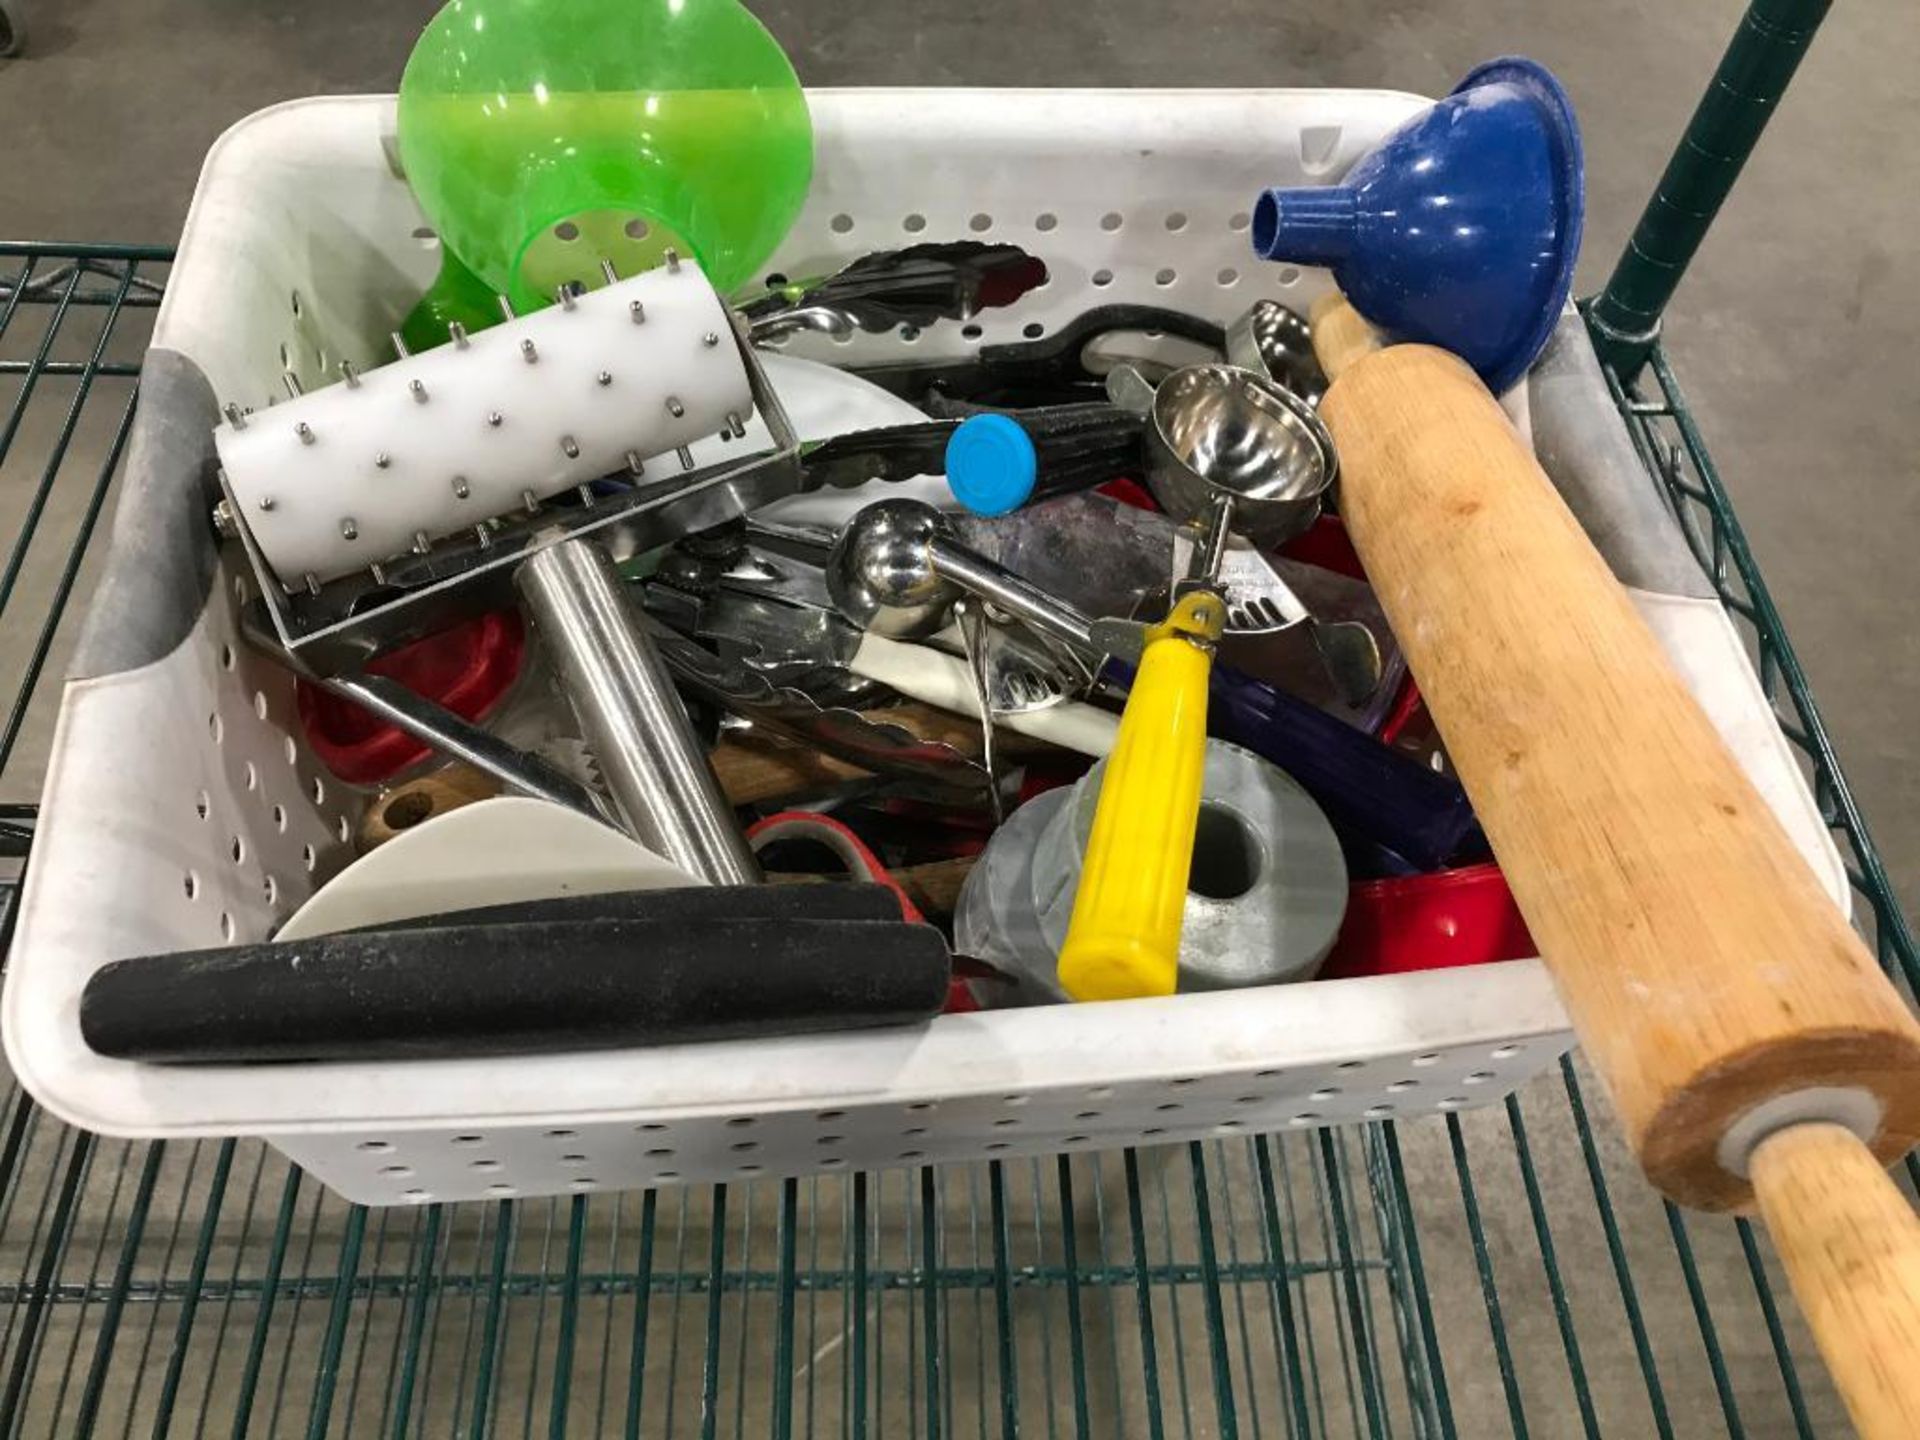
pixel 1755 1052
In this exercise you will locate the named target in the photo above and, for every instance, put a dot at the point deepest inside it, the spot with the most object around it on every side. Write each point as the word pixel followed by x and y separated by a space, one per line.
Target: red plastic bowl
pixel 1429 922
pixel 468 669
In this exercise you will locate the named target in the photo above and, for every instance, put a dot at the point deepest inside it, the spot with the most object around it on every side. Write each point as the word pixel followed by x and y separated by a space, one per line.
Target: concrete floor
pixel 1788 337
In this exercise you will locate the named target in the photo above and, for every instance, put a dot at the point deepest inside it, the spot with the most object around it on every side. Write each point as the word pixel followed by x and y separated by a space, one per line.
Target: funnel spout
pixel 1305 224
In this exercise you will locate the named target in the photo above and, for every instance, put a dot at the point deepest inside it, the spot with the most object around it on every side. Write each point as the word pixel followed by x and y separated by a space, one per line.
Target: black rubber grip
pixel 460 990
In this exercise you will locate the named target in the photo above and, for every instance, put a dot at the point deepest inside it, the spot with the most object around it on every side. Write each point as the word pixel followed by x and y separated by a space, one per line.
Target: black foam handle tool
pixel 1065 437
pixel 467 991
pixel 775 903
pixel 1033 371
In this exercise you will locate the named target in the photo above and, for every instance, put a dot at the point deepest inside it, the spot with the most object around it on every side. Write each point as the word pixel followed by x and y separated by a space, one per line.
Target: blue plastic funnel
pixel 1461 228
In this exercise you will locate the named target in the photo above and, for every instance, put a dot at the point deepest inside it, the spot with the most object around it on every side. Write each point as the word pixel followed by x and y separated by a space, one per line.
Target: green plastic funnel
pixel 542 137
pixel 458 296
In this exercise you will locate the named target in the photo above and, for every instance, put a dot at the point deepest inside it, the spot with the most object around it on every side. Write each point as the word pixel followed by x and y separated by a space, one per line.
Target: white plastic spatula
pixel 493 852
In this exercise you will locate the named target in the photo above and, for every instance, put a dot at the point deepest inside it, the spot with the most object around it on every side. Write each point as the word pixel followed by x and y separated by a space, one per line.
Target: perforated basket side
pixel 1131 197
pixel 1038 1105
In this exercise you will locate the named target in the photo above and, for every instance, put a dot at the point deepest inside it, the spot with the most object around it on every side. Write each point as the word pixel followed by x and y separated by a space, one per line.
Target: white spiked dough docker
pixel 432 445
pixel 447 442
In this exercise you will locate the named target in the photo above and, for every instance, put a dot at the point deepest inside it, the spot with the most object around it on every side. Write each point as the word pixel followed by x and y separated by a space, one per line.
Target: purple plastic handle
pixel 1368 789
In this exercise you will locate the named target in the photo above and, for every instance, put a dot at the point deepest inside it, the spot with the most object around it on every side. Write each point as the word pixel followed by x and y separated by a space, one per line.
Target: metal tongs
pixel 913 287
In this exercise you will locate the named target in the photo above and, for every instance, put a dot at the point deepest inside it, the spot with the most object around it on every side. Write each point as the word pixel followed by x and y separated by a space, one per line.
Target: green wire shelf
pixel 1499 1271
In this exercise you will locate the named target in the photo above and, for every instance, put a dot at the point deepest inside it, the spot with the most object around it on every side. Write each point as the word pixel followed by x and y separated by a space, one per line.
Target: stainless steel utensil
pixel 1261 602
pixel 773 638
pixel 1217 430
pixel 913 287
pixel 655 767
pixel 878 746
pixel 766 632
pixel 1351 654
pixel 973 639
pixel 790 563
pixel 1221 432
pixel 1276 341
pixel 897 569
pixel 1024 672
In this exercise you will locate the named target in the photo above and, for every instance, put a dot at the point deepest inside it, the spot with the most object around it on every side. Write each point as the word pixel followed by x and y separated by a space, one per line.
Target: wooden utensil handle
pixel 421 799
pixel 755 770
pixel 1704 967
pixel 1850 1243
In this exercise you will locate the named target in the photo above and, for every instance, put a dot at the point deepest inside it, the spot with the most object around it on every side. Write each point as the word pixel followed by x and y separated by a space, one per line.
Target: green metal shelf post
pixel 1753 75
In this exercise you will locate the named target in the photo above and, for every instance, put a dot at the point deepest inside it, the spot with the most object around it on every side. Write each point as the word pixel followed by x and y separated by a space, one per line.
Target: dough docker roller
pixel 439 443
pixel 345 481
pixel 404 499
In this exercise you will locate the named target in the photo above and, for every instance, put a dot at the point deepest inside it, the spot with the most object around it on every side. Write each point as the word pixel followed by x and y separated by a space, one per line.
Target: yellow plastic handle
pixel 1123 941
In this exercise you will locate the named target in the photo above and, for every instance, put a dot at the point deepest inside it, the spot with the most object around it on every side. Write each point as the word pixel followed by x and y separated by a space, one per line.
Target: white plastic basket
pixel 181 810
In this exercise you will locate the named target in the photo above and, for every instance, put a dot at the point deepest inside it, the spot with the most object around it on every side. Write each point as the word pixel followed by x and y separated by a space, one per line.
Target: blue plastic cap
pixel 991 464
